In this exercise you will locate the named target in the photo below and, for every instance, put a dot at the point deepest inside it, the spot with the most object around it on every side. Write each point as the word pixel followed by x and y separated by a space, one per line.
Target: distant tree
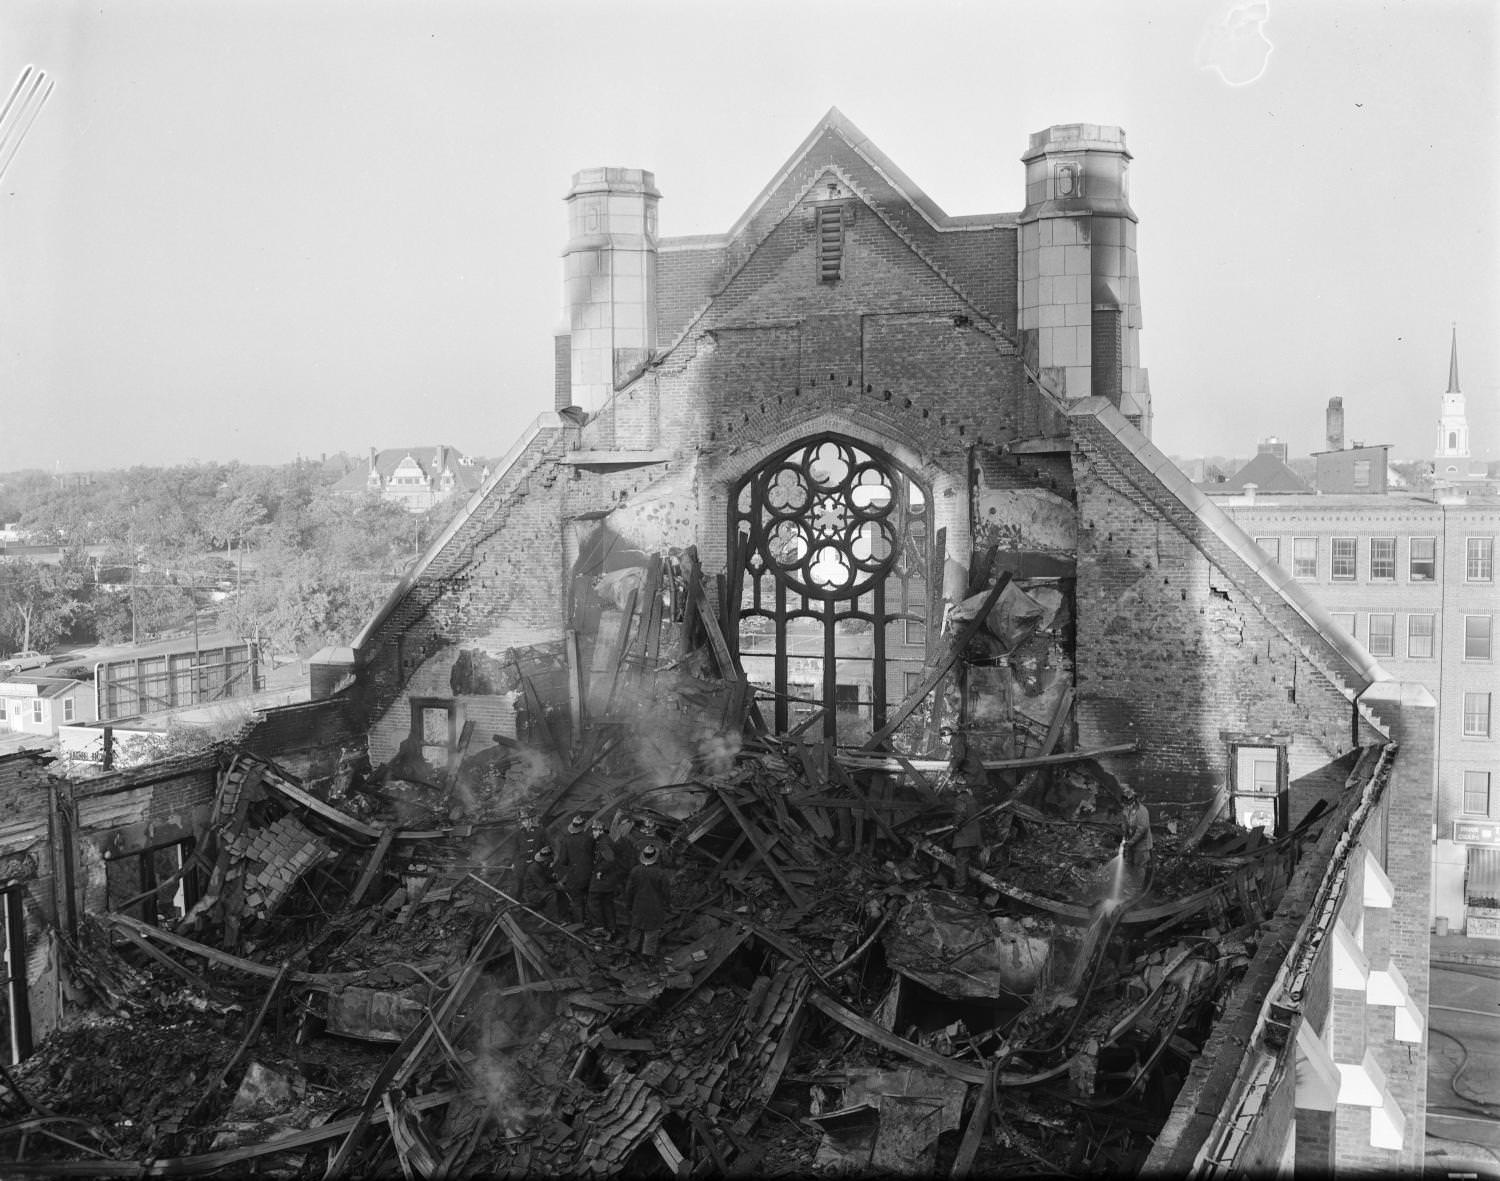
pixel 39 603
pixel 301 602
pixel 18 490
pixel 1416 472
pixel 110 616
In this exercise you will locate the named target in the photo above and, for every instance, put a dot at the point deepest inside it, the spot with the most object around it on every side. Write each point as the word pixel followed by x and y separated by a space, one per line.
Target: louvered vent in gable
pixel 830 243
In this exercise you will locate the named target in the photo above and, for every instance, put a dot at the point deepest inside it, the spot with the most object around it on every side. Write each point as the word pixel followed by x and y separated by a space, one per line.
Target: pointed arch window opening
pixel 831 552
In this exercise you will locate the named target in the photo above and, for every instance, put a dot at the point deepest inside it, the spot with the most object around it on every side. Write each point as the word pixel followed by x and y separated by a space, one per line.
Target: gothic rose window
pixel 831 546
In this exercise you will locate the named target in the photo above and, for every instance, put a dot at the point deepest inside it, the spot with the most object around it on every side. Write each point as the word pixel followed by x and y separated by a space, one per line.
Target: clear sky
pixel 245 229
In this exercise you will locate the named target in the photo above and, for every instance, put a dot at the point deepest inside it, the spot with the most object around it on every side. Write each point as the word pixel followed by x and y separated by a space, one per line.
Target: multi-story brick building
pixel 1412 578
pixel 849 412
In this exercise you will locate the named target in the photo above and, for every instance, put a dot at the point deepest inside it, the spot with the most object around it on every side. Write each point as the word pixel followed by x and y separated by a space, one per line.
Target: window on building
pixel 1476 715
pixel 1382 559
pixel 1423 566
pixel 1479 565
pixel 36 709
pixel 1476 637
pixel 846 701
pixel 1477 793
pixel 1382 638
pixel 1345 558
pixel 1361 473
pixel 1260 800
pixel 1304 557
pixel 2 709
pixel 830 243
pixel 1272 546
pixel 155 884
pixel 433 730
pixel 829 532
pixel 69 709
pixel 1345 620
pixel 1419 636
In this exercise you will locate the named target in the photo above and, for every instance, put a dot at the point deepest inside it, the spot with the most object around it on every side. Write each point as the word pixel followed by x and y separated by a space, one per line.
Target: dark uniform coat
pixel 966 826
pixel 964 762
pixel 648 896
pixel 609 867
pixel 575 860
pixel 1135 822
pixel 538 883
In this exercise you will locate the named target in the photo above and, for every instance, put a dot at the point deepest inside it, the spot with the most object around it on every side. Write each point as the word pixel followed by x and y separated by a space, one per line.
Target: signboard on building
pixel 1477 832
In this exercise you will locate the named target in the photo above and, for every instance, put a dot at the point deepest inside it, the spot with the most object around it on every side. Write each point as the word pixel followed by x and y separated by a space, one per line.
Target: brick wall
pixel 562 371
pixel 498 579
pixel 1180 641
pixel 125 811
pixel 1401 843
pixel 686 278
pixel 307 726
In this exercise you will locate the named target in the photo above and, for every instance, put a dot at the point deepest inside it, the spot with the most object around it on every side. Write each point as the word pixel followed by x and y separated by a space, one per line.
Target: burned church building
pixel 993 770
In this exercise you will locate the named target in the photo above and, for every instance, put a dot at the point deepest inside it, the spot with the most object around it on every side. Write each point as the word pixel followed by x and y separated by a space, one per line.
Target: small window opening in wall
pixel 1259 788
pixel 156 884
pixel 434 731
pixel 830 243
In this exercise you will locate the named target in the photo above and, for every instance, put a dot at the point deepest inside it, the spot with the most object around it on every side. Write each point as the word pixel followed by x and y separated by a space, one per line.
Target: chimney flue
pixel 1335 424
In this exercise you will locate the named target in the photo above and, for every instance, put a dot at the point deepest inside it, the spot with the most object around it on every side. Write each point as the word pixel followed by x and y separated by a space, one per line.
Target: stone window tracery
pixel 831 546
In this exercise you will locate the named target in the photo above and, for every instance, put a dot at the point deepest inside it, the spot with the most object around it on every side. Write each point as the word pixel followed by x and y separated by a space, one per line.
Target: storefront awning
pixel 1482 886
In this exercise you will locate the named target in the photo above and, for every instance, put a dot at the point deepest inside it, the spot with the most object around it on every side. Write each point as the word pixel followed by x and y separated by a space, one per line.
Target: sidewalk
pixel 1462 949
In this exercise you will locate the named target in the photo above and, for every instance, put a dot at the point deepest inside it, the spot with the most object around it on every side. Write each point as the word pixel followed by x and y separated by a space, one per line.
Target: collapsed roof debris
pixel 371 978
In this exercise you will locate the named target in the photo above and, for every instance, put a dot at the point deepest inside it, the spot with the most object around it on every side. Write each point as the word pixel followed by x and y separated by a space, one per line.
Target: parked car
pixel 21 661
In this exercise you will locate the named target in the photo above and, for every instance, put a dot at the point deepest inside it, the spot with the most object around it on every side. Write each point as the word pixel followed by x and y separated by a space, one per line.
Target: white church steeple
pixel 1453 427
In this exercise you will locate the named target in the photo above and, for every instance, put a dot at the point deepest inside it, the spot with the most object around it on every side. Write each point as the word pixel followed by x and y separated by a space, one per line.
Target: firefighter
pixel 644 832
pixel 648 896
pixel 1135 839
pixel 532 837
pixel 575 866
pixel 966 835
pixel 965 766
pixel 607 878
pixel 539 888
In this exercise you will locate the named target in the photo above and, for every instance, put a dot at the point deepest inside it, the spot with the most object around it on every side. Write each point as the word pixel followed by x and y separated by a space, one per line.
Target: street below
pixel 1463 1071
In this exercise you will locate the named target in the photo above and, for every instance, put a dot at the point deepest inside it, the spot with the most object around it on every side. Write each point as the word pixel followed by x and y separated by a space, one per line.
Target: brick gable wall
pixel 1178 644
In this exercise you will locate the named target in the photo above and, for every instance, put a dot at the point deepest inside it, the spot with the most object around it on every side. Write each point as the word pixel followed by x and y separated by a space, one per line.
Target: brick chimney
pixel 1335 424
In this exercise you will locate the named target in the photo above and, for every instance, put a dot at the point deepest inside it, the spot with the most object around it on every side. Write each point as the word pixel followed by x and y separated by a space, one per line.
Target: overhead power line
pixel 27 97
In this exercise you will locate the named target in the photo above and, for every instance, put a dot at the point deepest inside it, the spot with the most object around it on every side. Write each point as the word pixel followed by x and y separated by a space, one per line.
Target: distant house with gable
pixel 416 477
pixel 1268 472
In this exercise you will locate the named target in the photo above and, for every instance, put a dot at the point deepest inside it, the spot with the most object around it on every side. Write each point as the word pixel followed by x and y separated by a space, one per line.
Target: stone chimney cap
pixel 1077 137
pixel 613 180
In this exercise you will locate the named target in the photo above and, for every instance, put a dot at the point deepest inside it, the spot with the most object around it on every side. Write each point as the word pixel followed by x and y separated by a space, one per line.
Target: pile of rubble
pixel 815 1007
pixel 378 973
